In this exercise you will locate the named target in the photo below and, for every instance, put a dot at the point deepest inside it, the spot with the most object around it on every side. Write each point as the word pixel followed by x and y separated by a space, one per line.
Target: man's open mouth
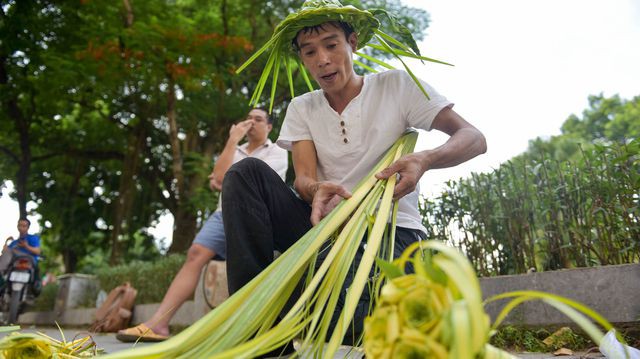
pixel 329 76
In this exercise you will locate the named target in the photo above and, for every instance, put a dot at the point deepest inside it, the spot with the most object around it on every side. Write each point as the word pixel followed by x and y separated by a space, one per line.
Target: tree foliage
pixel 112 112
pixel 605 121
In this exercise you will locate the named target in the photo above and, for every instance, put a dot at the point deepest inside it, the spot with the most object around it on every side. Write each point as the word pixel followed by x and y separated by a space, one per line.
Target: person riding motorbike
pixel 26 244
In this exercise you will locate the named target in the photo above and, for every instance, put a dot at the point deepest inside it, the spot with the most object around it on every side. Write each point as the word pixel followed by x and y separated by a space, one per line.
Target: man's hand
pixel 239 130
pixel 214 184
pixel 326 198
pixel 409 169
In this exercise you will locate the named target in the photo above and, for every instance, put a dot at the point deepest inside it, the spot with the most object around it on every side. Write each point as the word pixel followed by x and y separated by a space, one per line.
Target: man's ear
pixel 269 127
pixel 353 41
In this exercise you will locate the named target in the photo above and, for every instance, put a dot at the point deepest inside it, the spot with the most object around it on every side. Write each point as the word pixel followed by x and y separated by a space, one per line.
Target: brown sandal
pixel 140 333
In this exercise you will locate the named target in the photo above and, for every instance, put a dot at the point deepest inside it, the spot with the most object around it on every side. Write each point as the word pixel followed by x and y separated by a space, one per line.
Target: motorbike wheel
pixel 14 306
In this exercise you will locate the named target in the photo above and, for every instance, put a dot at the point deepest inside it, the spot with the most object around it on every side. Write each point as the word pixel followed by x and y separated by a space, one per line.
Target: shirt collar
pixel 243 147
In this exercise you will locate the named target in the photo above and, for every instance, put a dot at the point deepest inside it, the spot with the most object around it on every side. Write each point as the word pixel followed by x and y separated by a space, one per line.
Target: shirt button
pixel 346 140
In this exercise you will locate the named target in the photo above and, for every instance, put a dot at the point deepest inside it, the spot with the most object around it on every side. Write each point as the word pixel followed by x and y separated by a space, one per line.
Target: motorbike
pixel 20 286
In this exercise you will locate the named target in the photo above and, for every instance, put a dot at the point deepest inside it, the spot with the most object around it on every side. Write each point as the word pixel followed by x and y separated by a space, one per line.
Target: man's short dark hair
pixel 346 28
pixel 26 220
pixel 269 117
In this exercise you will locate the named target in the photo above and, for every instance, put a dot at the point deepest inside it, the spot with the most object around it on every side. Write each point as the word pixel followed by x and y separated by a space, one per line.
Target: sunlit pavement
pixel 110 344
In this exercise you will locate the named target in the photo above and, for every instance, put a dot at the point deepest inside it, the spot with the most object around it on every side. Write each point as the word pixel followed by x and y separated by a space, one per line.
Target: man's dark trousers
pixel 262 214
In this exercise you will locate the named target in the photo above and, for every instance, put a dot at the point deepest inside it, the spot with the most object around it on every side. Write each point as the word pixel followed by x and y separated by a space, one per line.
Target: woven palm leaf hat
pixel 316 12
pixel 366 25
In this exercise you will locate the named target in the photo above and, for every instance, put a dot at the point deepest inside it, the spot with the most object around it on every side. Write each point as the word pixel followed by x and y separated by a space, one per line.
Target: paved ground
pixel 110 344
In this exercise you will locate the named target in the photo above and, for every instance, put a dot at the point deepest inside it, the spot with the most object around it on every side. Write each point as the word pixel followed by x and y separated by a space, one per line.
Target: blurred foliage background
pixel 112 114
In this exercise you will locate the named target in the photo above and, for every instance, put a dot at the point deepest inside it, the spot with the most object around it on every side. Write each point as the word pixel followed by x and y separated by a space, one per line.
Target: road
pixel 110 344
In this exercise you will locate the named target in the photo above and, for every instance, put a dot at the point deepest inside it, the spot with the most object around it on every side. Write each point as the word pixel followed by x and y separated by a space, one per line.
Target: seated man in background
pixel 210 241
pixel 25 244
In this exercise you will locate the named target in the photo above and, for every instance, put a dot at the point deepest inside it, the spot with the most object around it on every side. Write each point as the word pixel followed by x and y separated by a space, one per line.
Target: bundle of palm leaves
pixel 437 311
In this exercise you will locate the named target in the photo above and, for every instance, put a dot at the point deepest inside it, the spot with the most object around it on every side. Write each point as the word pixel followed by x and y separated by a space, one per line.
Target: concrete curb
pixel 611 291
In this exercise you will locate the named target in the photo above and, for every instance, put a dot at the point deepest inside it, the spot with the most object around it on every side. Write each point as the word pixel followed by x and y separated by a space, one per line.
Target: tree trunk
pixel 126 191
pixel 174 141
pixel 184 229
pixel 185 217
pixel 184 226
pixel 21 182
pixel 70 259
pixel 23 159
pixel 67 233
pixel 128 17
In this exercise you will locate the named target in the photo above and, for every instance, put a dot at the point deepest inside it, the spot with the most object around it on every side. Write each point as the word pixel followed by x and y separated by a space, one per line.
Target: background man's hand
pixel 409 169
pixel 326 198
pixel 213 183
pixel 239 130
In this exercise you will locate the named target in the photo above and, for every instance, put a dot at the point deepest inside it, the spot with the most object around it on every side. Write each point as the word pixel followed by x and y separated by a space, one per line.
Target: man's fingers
pixel 215 185
pixel 342 192
pixel 387 172
pixel 246 124
pixel 399 192
pixel 403 187
pixel 316 210
pixel 315 216
pixel 384 174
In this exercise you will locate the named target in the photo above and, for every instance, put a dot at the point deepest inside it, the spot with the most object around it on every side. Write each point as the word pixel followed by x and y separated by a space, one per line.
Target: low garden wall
pixel 613 291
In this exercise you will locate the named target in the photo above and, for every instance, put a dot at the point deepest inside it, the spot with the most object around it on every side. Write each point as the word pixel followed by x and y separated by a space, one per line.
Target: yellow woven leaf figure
pixel 23 346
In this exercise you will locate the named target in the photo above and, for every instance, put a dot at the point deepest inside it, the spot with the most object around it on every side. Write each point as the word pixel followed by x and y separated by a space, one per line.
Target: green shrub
pixel 150 279
pixel 532 339
pixel 47 298
pixel 537 213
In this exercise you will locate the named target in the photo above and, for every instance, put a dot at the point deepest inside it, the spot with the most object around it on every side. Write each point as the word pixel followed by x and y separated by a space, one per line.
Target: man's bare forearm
pixel 464 145
pixel 225 160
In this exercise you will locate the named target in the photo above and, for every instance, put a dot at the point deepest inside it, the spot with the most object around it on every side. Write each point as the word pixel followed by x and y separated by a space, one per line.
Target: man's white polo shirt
pixel 350 144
